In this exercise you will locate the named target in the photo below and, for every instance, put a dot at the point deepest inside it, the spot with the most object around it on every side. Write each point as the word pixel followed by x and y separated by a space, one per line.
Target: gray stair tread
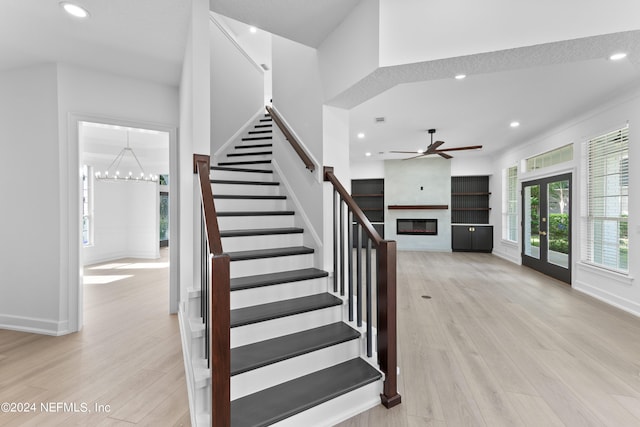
pixel 230 169
pixel 238 182
pixel 277 403
pixel 249 196
pixel 256 138
pixel 276 310
pixel 252 162
pixel 261 232
pixel 263 353
pixel 254 213
pixel 269 253
pixel 251 153
pixel 259 280
pixel 246 147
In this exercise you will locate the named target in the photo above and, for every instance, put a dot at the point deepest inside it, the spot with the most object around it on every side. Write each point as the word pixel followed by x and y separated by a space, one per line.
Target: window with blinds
pixel 605 233
pixel 510 204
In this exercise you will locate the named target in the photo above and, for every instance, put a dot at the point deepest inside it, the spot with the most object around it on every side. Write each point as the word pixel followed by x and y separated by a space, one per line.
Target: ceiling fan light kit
pixel 434 148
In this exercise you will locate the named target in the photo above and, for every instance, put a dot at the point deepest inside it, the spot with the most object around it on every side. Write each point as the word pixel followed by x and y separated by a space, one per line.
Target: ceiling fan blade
pixel 415 157
pixel 403 152
pixel 431 148
pixel 445 155
pixel 468 147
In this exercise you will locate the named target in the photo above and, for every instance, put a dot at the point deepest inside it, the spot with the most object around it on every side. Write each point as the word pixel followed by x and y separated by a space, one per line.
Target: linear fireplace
pixel 427 227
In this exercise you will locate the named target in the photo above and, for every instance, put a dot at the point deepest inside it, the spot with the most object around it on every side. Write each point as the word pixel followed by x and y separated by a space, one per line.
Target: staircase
pixel 294 361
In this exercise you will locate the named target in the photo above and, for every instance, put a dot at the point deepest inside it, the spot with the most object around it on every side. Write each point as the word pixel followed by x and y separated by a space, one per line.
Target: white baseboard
pixel 624 304
pixel 507 257
pixel 34 325
pixel 188 366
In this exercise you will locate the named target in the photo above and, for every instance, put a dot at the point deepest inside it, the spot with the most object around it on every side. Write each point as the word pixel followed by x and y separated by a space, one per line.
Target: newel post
pixel 220 342
pixel 387 317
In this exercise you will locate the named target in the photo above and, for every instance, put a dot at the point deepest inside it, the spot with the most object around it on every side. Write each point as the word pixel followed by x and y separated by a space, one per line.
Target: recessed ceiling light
pixel 460 76
pixel 74 10
pixel 360 135
pixel 514 124
pixel 367 154
pixel 253 30
pixel 618 56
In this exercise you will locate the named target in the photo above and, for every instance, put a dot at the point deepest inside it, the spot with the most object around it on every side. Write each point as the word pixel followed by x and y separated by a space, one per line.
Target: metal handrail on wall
pixel 345 213
pixel 215 299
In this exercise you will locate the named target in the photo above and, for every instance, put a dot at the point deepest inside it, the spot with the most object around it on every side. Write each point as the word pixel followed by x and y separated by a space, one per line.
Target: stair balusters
pixel 385 281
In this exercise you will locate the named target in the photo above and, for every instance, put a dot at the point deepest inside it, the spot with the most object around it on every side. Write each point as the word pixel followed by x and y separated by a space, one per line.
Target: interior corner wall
pixel 619 290
pixel 419 182
pixel 351 51
pixel 126 222
pixel 237 87
pixel 29 170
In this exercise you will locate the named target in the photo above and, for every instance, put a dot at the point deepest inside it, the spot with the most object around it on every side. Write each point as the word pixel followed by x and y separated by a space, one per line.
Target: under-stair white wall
pixel 237 85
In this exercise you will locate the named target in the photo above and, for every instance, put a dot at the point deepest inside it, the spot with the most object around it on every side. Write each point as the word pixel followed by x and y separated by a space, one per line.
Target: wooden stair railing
pixel 386 302
pixel 215 300
pixel 295 144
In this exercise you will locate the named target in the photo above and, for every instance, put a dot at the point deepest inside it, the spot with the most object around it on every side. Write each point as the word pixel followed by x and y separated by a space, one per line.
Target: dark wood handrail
pixel 217 316
pixel 201 166
pixel 358 215
pixel 295 144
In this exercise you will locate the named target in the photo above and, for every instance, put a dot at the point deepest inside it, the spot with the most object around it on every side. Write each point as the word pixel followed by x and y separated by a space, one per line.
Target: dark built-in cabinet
pixel 369 196
pixel 472 238
pixel 470 209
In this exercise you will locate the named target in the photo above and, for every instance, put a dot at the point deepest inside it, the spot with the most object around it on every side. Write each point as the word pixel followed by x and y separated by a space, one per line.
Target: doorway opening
pixel 546 226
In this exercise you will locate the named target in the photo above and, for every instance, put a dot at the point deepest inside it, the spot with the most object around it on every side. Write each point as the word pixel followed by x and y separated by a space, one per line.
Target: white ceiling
pixel 141 38
pixel 307 22
pixel 538 85
pixel 102 143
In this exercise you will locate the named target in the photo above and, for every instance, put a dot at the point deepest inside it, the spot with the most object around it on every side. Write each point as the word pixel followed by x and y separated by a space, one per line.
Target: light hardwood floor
pixel 127 356
pixel 501 345
pixel 496 345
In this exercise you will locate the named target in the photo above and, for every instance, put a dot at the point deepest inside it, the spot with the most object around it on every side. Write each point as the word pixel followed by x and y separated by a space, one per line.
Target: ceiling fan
pixel 433 149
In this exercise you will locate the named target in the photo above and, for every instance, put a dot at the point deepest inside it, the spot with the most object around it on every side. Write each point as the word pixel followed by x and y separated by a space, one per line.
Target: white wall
pixel 126 222
pixel 350 52
pixel 195 135
pixel 237 86
pixel 418 182
pixel 297 98
pixel 416 30
pixel 367 169
pixel 30 217
pixel 620 290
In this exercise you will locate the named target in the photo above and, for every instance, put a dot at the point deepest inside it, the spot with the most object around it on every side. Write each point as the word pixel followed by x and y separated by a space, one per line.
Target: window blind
pixel 510 205
pixel 606 236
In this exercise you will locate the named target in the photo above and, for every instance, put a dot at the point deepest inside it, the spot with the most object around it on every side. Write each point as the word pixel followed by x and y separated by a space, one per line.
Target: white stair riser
pixel 249 222
pixel 270 265
pixel 271 375
pixel 337 410
pixel 263 190
pixel 241 176
pixel 243 335
pixel 247 243
pixel 282 291
pixel 248 157
pixel 250 204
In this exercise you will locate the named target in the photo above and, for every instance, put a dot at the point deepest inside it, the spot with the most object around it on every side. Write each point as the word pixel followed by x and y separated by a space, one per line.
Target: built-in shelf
pixel 369 196
pixel 418 207
pixel 470 200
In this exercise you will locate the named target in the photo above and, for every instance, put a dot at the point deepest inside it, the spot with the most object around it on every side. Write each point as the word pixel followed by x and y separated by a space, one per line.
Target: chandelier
pixel 113 171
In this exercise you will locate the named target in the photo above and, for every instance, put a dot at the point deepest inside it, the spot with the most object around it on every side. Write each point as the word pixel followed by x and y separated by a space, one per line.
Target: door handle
pixel 543 233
